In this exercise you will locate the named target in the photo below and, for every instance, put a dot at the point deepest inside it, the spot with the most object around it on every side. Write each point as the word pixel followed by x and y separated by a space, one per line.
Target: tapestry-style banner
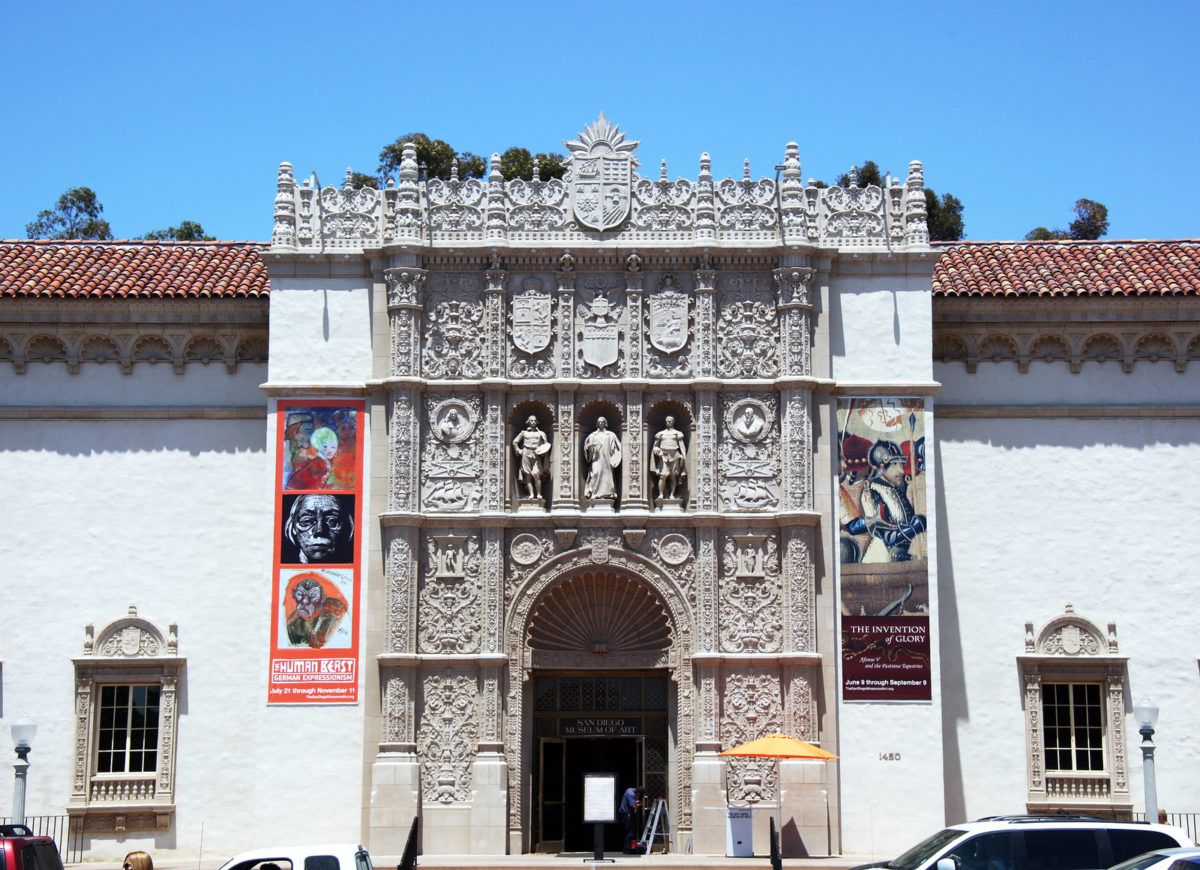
pixel 316 575
pixel 884 550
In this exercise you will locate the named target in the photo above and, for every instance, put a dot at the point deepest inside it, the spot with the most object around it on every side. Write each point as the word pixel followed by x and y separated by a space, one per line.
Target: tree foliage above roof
pixel 1091 222
pixel 943 214
pixel 76 215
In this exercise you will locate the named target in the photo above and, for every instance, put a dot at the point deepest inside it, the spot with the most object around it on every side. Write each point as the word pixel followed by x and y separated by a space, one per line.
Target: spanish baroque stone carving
pixel 348 216
pixel 453 329
pixel 400 574
pixel 455 205
pixel 751 619
pixel 451 460
pixel 662 206
pixel 746 208
pixel 536 206
pixel 532 324
pixel 751 707
pixel 599 334
pixel 447 736
pixel 449 595
pixel 397 710
pixel 403 455
pixel 747 325
pixel 748 455
pixel 668 328
pixel 600 175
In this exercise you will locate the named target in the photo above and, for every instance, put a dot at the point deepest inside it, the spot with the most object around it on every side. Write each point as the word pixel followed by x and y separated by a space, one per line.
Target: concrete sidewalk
pixel 574 860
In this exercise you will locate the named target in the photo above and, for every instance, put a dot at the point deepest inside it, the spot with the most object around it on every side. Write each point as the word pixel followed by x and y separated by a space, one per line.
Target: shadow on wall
pixel 233 434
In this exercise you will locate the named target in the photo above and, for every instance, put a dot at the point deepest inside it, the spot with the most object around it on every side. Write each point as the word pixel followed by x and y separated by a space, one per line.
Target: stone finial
pixel 662 174
pixel 1112 638
pixel 916 217
pixel 494 173
pixel 537 171
pixel 133 610
pixel 916 174
pixel 1030 642
pixel 791 161
pixel 705 167
pixel 348 184
pixel 89 638
pixel 408 162
pixel 454 169
pixel 285 171
pixel 746 170
pixel 854 176
pixel 173 638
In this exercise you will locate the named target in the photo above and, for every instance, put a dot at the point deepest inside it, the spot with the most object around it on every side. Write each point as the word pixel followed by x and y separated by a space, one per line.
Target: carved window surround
pixel 129 651
pixel 1071 649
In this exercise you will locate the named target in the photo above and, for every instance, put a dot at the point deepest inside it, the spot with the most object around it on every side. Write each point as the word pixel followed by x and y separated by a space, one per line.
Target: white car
pixel 1052 842
pixel 320 857
pixel 1163 859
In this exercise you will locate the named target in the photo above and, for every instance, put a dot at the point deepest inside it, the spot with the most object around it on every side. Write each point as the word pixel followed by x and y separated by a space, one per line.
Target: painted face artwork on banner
pixel 883 550
pixel 317 572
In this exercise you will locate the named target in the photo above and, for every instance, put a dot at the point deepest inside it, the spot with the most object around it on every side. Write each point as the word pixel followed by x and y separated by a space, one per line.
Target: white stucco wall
pixel 175 516
pixel 320 329
pixel 1035 513
pixel 880 320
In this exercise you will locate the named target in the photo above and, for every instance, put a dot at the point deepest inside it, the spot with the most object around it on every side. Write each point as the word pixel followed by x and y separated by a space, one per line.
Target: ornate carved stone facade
pixel 601 295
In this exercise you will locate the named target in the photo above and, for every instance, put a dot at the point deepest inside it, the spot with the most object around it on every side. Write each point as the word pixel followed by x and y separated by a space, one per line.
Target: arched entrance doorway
pixel 600 698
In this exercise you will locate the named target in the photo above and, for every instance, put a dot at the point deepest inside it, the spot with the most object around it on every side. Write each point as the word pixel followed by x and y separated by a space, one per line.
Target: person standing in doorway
pixel 631 802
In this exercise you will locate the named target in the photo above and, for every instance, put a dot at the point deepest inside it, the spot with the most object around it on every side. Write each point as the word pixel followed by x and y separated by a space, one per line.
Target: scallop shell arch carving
pixel 1071 635
pixel 600 612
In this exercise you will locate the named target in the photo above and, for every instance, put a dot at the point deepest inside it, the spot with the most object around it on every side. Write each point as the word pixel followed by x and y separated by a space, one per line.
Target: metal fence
pixel 1190 822
pixel 66 831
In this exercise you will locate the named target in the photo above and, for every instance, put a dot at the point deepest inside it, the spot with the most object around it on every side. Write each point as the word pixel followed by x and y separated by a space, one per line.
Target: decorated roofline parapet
pixel 602 200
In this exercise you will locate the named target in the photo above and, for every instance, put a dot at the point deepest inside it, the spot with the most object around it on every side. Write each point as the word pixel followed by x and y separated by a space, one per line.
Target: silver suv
pixel 1036 843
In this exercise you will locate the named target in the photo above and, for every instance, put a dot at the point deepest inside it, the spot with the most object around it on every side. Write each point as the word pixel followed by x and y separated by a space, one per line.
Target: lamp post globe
pixel 1147 716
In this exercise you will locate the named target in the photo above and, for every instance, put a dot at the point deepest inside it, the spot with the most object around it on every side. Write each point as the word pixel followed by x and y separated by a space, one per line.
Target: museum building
pixel 463 491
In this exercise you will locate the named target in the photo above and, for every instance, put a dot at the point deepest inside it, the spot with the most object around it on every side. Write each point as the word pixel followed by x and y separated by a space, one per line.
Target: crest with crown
pixel 600 175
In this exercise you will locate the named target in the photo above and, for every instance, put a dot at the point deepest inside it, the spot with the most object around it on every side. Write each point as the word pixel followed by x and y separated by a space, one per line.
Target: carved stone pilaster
pixel 751 706
pixel 448 736
pixel 566 324
pixel 799 703
pixel 1033 718
pixel 398 694
pixel 708 736
pixel 706 323
pixel 492 582
pixel 400 590
pixel 799 591
pixel 491 737
pixel 796 450
pixel 705 495
pixel 404 319
pixel 83 702
pixel 168 704
pixel 494 453
pixel 706 589
pixel 494 322
pixel 566 494
pixel 634 496
pixel 795 314
pixel 1114 687
pixel 404 437
pixel 751 620
pixel 635 341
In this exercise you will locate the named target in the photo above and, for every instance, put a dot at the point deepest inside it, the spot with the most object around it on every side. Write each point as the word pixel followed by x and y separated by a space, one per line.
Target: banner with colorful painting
pixel 884 550
pixel 316 574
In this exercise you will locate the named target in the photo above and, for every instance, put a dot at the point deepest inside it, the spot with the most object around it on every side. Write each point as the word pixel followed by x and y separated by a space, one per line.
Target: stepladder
pixel 658 825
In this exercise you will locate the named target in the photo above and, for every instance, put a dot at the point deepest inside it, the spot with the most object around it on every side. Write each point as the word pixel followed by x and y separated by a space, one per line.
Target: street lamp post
pixel 1147 715
pixel 22 735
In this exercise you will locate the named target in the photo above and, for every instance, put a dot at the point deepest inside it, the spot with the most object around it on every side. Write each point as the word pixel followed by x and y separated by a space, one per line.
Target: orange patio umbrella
pixel 778 746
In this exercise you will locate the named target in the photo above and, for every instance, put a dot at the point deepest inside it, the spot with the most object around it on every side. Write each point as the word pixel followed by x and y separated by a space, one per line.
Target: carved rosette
pixel 526 550
pixel 404 314
pixel 675 553
pixel 748 457
pixel 448 597
pixel 453 329
pixel 403 456
pixel 746 322
pixel 749 608
pixel 452 456
pixel 447 736
pixel 751 708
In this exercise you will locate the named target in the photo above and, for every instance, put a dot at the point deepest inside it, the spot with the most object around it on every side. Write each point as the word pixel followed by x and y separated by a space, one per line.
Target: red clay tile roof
pixel 132 269
pixel 1069 269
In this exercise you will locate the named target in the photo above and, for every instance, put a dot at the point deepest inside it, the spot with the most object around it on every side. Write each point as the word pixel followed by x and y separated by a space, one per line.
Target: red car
pixel 21 850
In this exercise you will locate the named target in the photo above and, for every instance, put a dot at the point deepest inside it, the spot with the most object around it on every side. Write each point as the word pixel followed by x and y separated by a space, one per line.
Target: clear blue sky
pixel 173 111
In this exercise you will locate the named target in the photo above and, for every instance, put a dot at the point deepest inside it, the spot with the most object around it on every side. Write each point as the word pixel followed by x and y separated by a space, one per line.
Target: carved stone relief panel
pixel 455 205
pixel 668 330
pixel 403 287
pixel 397 705
pixel 536 206
pixel 526 551
pixel 746 208
pixel 401 585
pixel 796 426
pixel 403 438
pixel 748 454
pixel 800 705
pixel 448 599
pixel 676 553
pixel 600 326
pixel 531 322
pixel 800 591
pixel 453 327
pixel 751 707
pixel 662 205
pixel 451 461
pixel 751 619
pixel 447 736
pixel 747 325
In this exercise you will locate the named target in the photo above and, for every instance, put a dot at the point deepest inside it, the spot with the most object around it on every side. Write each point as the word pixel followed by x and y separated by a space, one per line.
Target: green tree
pixel 943 216
pixel 518 163
pixel 868 174
pixel 76 215
pixel 437 157
pixel 360 180
pixel 187 231
pixel 1091 222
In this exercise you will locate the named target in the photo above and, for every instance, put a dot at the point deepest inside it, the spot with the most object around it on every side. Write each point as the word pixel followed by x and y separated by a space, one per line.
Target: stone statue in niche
pixel 602 453
pixel 667 462
pixel 532 445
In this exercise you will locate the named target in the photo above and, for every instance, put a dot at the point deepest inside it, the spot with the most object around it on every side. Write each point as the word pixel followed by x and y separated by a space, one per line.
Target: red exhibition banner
pixel 317 575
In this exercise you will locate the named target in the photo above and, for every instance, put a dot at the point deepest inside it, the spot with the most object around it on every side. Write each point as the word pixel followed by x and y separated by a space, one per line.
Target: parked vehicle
pixel 320 857
pixel 1052 842
pixel 1163 859
pixel 21 850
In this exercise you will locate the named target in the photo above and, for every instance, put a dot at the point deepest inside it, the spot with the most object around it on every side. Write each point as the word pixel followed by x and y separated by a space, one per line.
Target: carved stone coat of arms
pixel 531 320
pixel 668 316
pixel 600 176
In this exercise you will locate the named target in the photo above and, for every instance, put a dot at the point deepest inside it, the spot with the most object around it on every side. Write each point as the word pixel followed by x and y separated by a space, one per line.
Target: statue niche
pixel 531 447
pixel 601 467
pixel 668 454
